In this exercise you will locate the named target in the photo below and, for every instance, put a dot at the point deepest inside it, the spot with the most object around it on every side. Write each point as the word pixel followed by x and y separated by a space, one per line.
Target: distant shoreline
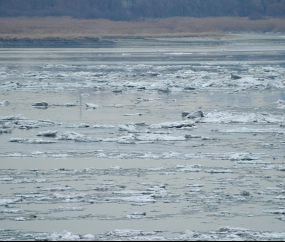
pixel 67 32
pixel 70 28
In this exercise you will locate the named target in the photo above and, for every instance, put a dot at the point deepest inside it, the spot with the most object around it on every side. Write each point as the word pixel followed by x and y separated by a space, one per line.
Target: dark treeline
pixel 141 9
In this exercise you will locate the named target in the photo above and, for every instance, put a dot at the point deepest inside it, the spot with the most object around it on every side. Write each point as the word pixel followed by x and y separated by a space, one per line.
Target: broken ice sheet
pixel 179 124
pixel 32 141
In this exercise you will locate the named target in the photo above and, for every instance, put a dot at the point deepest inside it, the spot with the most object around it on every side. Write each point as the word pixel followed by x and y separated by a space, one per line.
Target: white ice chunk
pixel 158 137
pixel 180 124
pixel 103 126
pixel 128 127
pixel 77 137
pixel 93 106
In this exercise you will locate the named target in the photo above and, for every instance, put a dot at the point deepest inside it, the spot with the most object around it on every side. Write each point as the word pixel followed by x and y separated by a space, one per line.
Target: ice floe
pixel 128 127
pixel 234 117
pixel 64 209
pixel 136 215
pixel 102 126
pixel 93 106
pixel 222 234
pixel 40 104
pixel 32 141
pixel 77 137
pixel 280 104
pixel 5 103
pixel 49 133
pixel 79 125
pixel 158 137
pixel 179 124
pixel 247 130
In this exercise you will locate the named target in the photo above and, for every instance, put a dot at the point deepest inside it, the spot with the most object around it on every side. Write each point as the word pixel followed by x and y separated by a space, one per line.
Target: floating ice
pixel 64 209
pixel 275 211
pixel 190 168
pixel 128 233
pixel 77 137
pixel 136 215
pixel 93 106
pixel 180 124
pixel 65 236
pixel 128 127
pixel 65 105
pixel 14 117
pixel 98 126
pixel 129 139
pixel 4 103
pixel 114 105
pixel 247 130
pixel 9 201
pixel 157 137
pixel 133 114
pixel 49 133
pixel 233 117
pixel 3 131
pixel 79 125
pixel 40 104
pixel 219 171
pixel 280 104
pixel 198 114
pixel 32 141
pixel 57 189
pixel 20 219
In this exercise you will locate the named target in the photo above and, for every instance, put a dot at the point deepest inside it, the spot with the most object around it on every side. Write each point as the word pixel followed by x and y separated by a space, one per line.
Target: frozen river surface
pixel 169 142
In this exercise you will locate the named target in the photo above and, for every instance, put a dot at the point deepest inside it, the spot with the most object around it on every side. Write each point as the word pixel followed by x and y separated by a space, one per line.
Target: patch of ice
pixel 103 126
pixel 93 106
pixel 4 103
pixel 133 114
pixel 79 125
pixel 14 117
pixel 8 201
pixel 114 105
pixel 247 130
pixel 57 189
pixel 128 127
pixel 66 105
pixel 219 171
pixel 129 139
pixel 64 209
pixel 136 215
pixel 11 211
pixel 65 236
pixel 280 104
pixel 77 137
pixel 20 219
pixel 233 117
pixel 275 211
pixel 180 124
pixel 128 233
pixel 89 237
pixel 6 179
pixel 190 168
pixel 49 133
pixel 157 137
pixel 32 141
